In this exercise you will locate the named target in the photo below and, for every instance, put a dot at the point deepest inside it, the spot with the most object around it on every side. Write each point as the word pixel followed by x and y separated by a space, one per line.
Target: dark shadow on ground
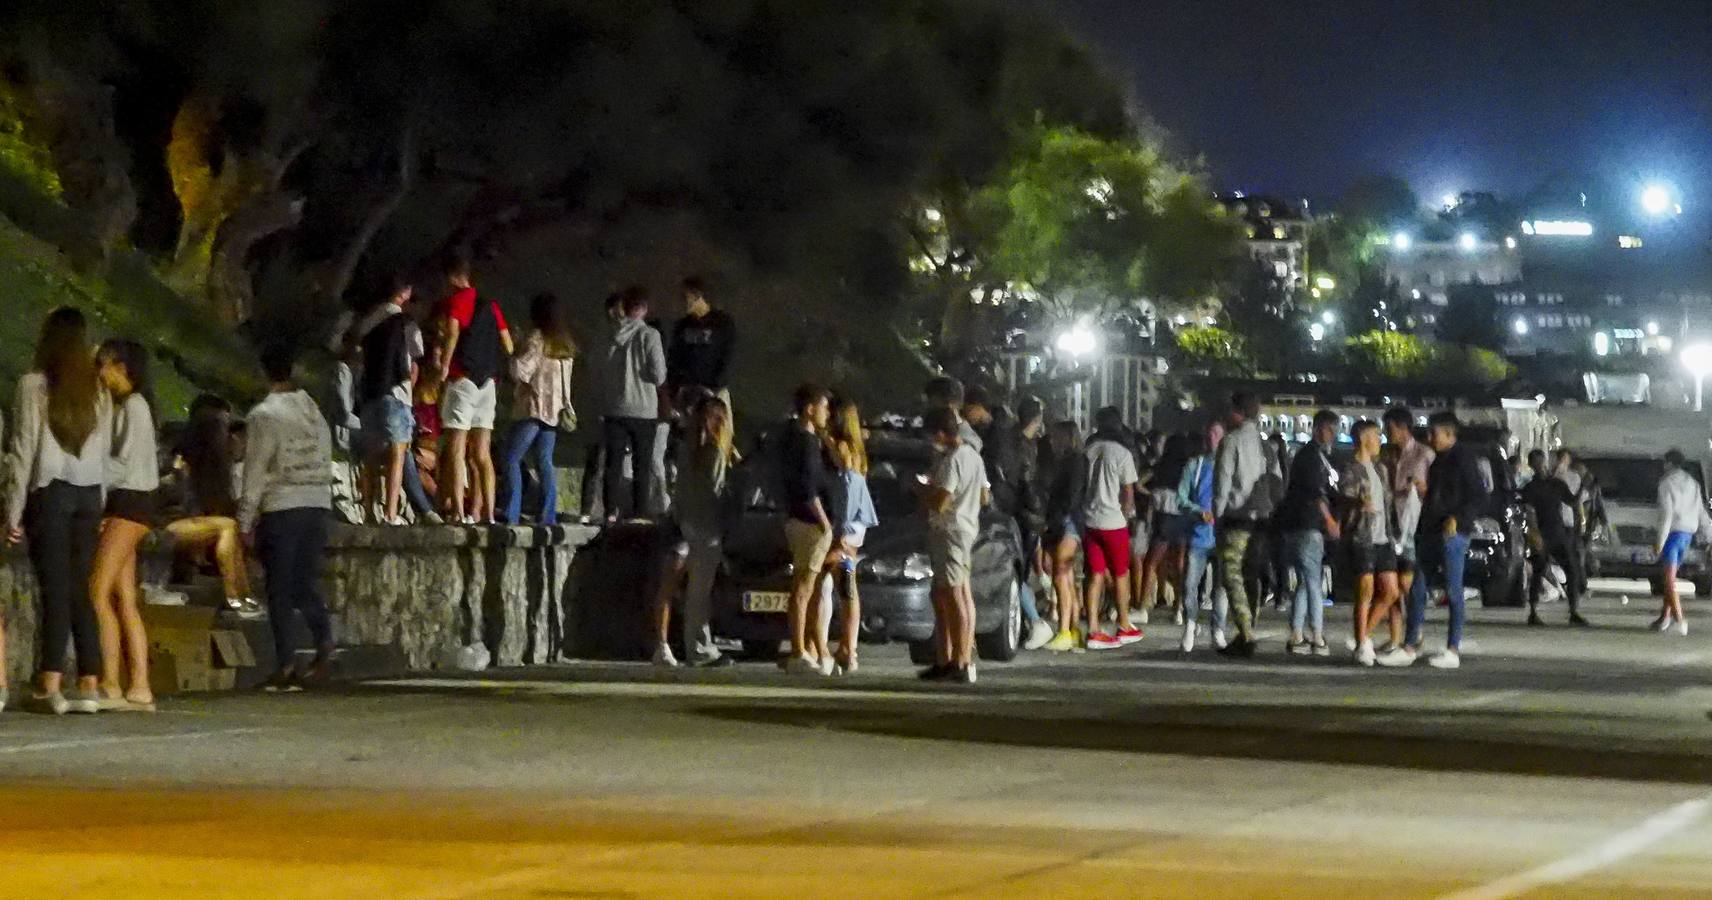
pixel 1172 729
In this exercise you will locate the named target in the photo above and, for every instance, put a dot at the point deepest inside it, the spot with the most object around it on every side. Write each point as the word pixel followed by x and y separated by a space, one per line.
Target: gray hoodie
pixel 631 373
pixel 289 462
pixel 1241 464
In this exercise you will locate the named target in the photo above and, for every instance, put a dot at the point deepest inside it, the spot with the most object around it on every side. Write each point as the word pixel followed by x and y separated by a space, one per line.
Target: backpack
pixel 479 353
pixel 386 358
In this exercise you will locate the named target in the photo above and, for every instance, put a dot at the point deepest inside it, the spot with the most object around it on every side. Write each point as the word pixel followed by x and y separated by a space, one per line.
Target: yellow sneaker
pixel 1063 642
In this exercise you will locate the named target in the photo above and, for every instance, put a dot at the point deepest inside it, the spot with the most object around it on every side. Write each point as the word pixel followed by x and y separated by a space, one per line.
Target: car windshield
pixel 894 486
pixel 1631 478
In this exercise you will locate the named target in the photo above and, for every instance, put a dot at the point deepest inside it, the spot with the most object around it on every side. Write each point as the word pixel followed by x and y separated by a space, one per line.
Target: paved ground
pixel 1557 763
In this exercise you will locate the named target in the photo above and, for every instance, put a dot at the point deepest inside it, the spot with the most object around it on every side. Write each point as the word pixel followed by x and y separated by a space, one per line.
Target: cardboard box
pixel 188 653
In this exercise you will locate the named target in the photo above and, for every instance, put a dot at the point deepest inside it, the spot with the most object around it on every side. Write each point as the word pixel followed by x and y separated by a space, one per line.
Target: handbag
pixel 567 420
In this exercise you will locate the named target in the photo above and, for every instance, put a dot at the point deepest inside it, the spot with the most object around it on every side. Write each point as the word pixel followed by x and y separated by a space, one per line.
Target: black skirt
pixel 133 506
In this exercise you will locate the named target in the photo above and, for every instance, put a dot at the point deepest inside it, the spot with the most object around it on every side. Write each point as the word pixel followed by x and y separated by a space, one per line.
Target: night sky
pixel 1299 97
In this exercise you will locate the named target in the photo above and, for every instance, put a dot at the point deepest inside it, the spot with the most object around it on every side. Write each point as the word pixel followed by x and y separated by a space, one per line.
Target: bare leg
pixel 1120 586
pixel 453 471
pixel 394 479
pixel 1672 602
pixel 1385 605
pixel 802 589
pixel 135 638
pixel 818 616
pixel 103 585
pixel 481 448
pixel 852 617
pixel 670 581
pixel 1363 606
pixel 965 605
pixel 1064 583
pixel 944 601
pixel 1096 586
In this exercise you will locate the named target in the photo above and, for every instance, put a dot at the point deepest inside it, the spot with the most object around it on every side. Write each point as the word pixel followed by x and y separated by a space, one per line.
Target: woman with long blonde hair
pixel 853 508
pixel 58 458
pixel 701 508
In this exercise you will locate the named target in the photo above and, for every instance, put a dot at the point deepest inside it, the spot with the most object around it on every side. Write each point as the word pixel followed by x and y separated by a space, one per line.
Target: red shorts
pixel 1107 551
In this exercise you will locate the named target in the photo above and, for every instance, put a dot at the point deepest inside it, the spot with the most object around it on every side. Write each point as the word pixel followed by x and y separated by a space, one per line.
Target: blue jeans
pixel 292 544
pixel 388 422
pixel 1030 615
pixel 1306 549
pixel 1444 557
pixel 1195 572
pixel 527 435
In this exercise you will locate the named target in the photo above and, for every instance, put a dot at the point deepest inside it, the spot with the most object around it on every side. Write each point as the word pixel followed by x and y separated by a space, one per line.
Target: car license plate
pixel 766 601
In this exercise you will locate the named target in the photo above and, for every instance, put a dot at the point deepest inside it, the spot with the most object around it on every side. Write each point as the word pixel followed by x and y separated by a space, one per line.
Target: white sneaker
pixel 828 667
pixel 1682 627
pixel 1396 658
pixel 1142 618
pixel 663 657
pixel 1364 655
pixel 1039 634
pixel 1219 640
pixel 1178 619
pixel 1189 629
pixel 1449 659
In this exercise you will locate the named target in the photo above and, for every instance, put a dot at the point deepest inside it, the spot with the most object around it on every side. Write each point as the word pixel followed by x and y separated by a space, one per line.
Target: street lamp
pixel 1658 200
pixel 1697 359
pixel 1317 332
pixel 1401 241
pixel 1079 341
pixel 1325 282
pixel 1520 326
pixel 1467 241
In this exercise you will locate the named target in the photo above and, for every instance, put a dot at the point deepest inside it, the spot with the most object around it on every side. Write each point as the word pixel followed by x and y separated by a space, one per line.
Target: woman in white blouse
pixel 133 478
pixel 58 458
pixel 543 375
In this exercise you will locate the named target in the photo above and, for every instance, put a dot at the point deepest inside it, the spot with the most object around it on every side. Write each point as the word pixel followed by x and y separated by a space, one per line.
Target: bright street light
pixel 1317 331
pixel 1509 242
pixel 1467 241
pixel 1697 359
pixel 1652 329
pixel 1328 317
pixel 1601 344
pixel 1325 282
pixel 1449 201
pixel 1401 241
pixel 1078 341
pixel 1520 325
pixel 1657 200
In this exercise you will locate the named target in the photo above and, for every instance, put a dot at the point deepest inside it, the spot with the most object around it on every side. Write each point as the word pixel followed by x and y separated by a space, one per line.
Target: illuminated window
pixel 1278 232
pixel 1628 242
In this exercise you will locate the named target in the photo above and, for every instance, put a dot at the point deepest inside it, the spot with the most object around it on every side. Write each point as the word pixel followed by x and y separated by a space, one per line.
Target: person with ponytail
pixel 58 456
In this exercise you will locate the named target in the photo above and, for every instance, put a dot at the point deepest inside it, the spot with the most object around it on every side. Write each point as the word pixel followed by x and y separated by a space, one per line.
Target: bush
pixel 1218 350
pixel 1391 354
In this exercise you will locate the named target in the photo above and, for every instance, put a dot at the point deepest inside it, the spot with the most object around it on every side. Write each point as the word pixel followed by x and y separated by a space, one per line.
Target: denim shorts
pixel 391 418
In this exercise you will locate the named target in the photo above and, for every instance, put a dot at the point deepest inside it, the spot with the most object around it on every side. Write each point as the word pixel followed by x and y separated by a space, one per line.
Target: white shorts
pixel 467 407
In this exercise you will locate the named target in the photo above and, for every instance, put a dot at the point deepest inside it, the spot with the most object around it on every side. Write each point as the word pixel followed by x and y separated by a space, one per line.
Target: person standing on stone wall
pixel 544 412
pixel 477 343
pixel 632 371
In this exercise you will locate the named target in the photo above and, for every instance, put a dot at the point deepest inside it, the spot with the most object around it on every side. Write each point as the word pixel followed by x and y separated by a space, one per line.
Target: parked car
pixel 894 573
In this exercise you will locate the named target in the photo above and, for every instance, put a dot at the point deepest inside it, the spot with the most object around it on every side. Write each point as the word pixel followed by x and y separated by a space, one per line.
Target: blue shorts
pixel 388 419
pixel 1675 547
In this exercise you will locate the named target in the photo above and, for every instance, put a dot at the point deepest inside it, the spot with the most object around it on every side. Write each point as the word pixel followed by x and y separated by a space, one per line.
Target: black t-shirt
pixel 804 474
pixel 1311 483
pixel 1550 500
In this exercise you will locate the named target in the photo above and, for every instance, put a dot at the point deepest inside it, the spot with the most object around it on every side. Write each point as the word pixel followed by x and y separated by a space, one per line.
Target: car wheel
pixel 922 653
pixel 1002 643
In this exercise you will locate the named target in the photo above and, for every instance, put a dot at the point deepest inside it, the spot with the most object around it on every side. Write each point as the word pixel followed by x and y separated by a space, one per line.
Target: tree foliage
pixel 1218 350
pixel 1390 354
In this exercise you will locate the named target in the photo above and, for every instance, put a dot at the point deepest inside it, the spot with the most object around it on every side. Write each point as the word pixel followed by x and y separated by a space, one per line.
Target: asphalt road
pixel 1558 762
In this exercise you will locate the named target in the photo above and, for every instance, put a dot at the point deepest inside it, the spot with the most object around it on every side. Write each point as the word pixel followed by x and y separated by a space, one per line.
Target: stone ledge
pixel 442 537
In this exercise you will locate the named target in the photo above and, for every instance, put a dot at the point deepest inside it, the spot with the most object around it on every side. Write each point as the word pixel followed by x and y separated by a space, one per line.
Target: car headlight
pixel 914 567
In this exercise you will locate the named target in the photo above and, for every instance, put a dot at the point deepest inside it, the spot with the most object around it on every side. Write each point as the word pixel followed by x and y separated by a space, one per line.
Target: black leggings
pixel 63 523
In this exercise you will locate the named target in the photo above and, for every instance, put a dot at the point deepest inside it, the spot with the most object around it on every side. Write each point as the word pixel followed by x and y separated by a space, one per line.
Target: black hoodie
pixel 701 351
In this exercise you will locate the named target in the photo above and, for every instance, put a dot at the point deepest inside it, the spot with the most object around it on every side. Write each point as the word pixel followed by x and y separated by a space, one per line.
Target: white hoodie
pixel 1680 504
pixel 289 463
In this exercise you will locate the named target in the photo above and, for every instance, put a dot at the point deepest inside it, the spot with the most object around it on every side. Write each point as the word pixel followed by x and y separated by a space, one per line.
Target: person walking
pixel 1195 499
pixel 1370 541
pixel 392 351
pixel 1556 520
pixel 1308 523
pixel 1455 496
pixel 1065 478
pixel 543 375
pixel 282 513
pixel 808 530
pixel 133 477
pixel 853 516
pixel 701 509
pixel 1109 504
pixel 1241 505
pixel 1682 511
pixel 58 464
pixel 477 342
pixel 632 371
pixel 956 491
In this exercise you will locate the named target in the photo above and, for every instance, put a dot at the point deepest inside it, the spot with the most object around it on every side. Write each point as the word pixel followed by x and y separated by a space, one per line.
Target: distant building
pixel 1276 234
pixel 1426 270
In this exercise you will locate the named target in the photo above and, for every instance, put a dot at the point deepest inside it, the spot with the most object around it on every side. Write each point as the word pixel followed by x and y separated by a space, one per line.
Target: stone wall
pixel 526 595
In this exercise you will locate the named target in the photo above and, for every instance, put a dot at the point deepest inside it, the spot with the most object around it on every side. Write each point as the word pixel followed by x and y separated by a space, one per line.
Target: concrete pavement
pixel 1556 763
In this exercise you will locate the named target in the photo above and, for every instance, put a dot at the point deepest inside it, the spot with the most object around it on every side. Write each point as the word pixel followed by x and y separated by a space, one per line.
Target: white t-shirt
pixel 961 474
pixel 1110 468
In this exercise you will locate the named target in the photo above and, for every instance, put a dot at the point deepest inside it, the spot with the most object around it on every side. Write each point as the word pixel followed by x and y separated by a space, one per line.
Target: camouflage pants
pixel 1233 551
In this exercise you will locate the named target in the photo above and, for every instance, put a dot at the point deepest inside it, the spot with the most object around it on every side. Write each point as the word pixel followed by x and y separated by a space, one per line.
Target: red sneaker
pixel 1100 640
pixel 1127 636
